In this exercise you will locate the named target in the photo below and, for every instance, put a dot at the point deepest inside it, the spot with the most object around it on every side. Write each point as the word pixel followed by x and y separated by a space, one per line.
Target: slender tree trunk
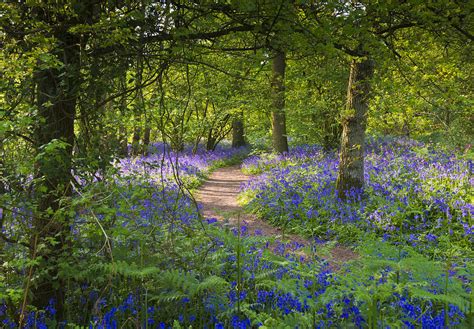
pixel 146 139
pixel 137 130
pixel 56 100
pixel 122 141
pixel 447 117
pixel 238 137
pixel 140 101
pixel 279 138
pixel 136 137
pixel 123 133
pixel 176 136
pixel 354 122
pixel 332 131
pixel 3 188
pixel 211 140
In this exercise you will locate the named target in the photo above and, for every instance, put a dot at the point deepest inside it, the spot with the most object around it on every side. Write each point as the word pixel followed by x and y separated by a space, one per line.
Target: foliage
pixel 155 262
pixel 410 189
pixel 417 200
pixel 106 108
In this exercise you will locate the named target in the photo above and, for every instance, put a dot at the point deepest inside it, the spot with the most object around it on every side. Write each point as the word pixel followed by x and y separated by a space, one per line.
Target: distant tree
pixel 238 134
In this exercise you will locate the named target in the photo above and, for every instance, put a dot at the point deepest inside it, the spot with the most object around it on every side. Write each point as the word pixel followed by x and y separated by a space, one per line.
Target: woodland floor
pixel 218 198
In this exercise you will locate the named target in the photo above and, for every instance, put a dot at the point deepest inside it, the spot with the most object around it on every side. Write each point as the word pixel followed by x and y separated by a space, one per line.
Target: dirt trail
pixel 218 197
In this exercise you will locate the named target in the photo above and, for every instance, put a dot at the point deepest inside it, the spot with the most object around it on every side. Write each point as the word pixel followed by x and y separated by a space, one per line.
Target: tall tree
pixel 354 122
pixel 57 78
pixel 279 137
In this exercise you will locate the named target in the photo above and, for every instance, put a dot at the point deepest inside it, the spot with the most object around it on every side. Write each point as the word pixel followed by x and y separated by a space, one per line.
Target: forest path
pixel 218 198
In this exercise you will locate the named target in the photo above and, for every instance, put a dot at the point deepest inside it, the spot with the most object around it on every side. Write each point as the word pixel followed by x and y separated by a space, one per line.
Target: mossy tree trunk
pixel 354 122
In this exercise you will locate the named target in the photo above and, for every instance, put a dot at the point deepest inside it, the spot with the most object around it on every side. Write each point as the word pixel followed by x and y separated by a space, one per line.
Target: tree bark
pixel 354 122
pixel 211 141
pixel 122 141
pixel 279 138
pixel 56 101
pixel 136 137
pixel 146 140
pixel 176 136
pixel 238 137
pixel 123 134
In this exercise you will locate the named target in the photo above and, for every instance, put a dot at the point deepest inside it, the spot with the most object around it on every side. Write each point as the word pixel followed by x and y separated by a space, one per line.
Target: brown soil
pixel 218 197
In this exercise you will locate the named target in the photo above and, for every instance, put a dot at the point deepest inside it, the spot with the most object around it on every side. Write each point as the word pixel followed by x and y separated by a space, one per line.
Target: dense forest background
pixel 88 85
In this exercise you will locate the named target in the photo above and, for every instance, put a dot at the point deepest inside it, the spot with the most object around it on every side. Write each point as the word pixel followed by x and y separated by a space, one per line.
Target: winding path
pixel 218 198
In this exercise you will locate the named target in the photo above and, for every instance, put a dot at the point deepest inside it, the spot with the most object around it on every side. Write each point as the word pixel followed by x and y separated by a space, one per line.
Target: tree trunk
pixel 279 138
pixel 122 141
pixel 211 141
pixel 123 133
pixel 136 139
pixel 3 173
pixel 238 137
pixel 176 137
pixel 140 101
pixel 146 140
pixel 354 122
pixel 56 100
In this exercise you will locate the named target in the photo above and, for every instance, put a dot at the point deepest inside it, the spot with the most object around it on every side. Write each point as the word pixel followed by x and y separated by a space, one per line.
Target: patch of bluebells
pixel 148 198
pixel 300 298
pixel 307 196
pixel 154 172
pixel 162 165
pixel 208 310
pixel 157 173
pixel 414 194
pixel 32 319
pixel 426 316
pixel 210 316
pixel 410 188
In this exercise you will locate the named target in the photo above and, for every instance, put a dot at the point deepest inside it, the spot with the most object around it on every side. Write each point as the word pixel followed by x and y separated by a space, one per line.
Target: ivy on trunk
pixel 354 122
